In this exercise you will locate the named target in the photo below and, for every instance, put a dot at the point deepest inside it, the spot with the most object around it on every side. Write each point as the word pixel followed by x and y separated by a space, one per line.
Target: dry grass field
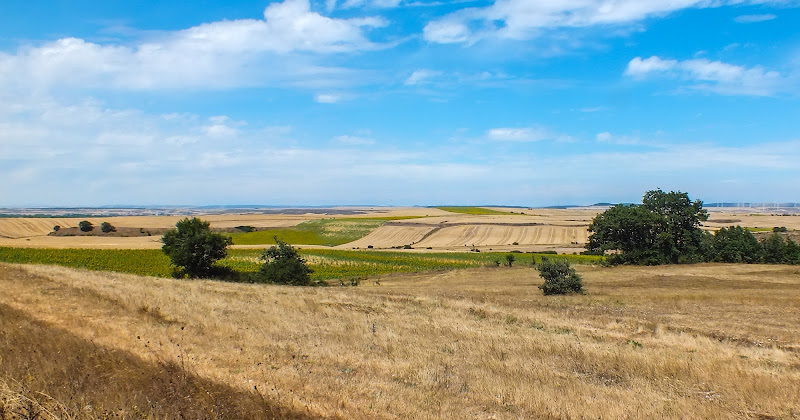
pixel 698 341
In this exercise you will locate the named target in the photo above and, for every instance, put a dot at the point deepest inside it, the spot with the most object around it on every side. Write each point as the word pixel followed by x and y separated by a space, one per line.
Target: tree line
pixel 666 229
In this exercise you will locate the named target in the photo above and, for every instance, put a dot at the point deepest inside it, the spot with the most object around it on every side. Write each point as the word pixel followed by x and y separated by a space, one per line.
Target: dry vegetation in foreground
pixel 699 341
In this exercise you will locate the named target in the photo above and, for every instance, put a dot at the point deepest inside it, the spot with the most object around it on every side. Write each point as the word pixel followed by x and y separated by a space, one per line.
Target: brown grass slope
pixel 704 341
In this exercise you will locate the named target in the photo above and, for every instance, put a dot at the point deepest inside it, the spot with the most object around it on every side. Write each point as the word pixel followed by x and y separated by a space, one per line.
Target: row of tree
pixel 666 228
pixel 194 248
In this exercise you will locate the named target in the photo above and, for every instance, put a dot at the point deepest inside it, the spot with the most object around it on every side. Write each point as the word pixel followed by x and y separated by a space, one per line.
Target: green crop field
pixel 145 262
pixel 327 263
pixel 474 210
pixel 326 232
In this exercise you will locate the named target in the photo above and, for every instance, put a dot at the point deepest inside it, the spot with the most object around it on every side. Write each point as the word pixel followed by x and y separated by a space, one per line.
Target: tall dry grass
pixel 703 341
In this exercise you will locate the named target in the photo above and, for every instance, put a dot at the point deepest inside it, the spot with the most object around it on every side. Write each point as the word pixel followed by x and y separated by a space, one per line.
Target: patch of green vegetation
pixel 473 210
pixel 759 229
pixel 326 232
pixel 143 262
pixel 342 264
pixel 327 263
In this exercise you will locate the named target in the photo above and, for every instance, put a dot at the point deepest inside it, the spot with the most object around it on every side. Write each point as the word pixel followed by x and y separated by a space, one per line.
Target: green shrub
pixel 559 277
pixel 510 260
pixel 107 227
pixel 85 226
pixel 283 265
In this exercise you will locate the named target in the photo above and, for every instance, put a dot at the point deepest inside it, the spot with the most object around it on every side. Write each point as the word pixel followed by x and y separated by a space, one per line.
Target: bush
pixel 510 260
pixel 559 277
pixel 193 247
pixel 56 228
pixel 85 226
pixel 107 227
pixel 283 265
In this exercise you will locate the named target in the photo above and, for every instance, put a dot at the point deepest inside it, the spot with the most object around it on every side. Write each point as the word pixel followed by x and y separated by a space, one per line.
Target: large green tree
pixel 193 247
pixel 665 228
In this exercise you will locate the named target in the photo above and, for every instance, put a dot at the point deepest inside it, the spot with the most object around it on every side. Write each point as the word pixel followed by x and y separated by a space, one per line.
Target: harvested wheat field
pixel 701 341
pixel 493 235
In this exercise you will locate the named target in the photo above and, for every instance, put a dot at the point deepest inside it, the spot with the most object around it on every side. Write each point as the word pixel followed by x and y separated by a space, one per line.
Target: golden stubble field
pixel 696 341
pixel 562 230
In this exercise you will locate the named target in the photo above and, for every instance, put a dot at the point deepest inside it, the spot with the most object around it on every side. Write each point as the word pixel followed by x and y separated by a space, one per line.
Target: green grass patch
pixel 343 264
pixel 143 262
pixel 759 229
pixel 473 210
pixel 327 263
pixel 326 232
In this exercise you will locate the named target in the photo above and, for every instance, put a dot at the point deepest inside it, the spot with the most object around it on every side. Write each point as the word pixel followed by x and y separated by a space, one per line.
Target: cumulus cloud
pixel 713 76
pixel 524 19
pixel 219 54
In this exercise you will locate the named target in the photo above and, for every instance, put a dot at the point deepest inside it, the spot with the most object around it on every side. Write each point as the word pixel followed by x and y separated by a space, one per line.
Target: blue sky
pixel 397 102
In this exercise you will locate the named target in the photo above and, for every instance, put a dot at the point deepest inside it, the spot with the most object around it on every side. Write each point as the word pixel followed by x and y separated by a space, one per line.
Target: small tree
pixel 85 226
pixel 283 265
pixel 510 260
pixel 56 228
pixel 559 277
pixel 193 247
pixel 107 227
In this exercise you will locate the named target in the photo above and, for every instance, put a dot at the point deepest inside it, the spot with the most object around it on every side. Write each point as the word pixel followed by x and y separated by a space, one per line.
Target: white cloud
pixel 446 32
pixel 421 76
pixel 604 136
pixel 639 68
pixel 219 54
pixel 754 18
pixel 707 75
pixel 524 19
pixel 527 134
pixel 328 98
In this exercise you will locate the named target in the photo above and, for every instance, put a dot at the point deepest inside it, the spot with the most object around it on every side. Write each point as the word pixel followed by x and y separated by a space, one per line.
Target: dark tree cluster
pixel 666 229
pixel 193 248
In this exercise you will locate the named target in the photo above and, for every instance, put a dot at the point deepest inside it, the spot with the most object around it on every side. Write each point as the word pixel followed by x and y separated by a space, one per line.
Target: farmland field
pixel 699 341
pixel 561 230
pixel 327 263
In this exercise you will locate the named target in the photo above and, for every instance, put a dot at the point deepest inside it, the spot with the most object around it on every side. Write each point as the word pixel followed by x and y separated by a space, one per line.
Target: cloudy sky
pixel 397 102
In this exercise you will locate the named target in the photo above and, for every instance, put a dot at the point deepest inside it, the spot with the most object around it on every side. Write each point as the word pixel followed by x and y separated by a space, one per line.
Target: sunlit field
pixel 698 341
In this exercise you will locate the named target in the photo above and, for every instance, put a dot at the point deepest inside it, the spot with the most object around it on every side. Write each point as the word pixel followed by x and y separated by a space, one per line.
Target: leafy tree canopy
pixel 665 228
pixel 193 247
